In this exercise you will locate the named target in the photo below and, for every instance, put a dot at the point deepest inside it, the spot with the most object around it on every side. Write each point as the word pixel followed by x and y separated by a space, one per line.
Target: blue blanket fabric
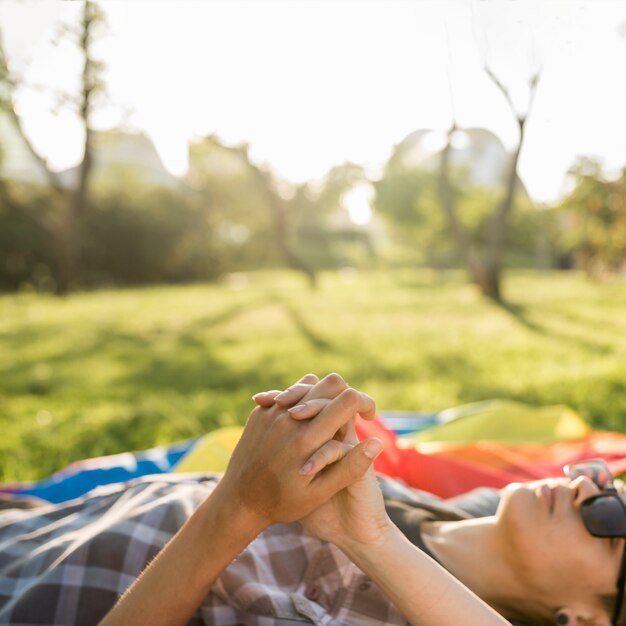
pixel 81 477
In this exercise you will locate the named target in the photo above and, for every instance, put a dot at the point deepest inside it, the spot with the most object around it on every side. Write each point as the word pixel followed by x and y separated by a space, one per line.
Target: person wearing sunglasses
pixel 202 550
pixel 604 516
pixel 546 552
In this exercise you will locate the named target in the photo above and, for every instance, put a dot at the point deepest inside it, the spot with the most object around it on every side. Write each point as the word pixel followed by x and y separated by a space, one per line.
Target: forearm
pixel 172 587
pixel 422 590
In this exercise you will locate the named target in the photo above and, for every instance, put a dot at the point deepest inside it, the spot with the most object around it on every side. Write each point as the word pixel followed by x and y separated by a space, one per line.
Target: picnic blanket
pixel 83 476
pixel 487 444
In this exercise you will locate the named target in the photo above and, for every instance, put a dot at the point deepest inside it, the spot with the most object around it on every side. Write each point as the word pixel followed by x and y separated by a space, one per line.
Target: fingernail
pixel 258 395
pixel 307 467
pixel 297 408
pixel 281 395
pixel 372 448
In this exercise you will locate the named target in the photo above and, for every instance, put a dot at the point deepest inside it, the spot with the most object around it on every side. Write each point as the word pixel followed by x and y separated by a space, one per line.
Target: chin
pixel 515 501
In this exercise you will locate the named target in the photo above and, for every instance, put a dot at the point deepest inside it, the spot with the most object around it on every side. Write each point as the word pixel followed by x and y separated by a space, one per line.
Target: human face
pixel 553 554
pixel 603 514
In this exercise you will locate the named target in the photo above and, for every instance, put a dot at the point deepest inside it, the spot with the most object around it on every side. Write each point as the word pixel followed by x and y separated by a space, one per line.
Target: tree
pixel 62 217
pixel 595 220
pixel 30 220
pixel 78 202
pixel 265 197
pixel 326 236
pixel 409 194
pixel 486 267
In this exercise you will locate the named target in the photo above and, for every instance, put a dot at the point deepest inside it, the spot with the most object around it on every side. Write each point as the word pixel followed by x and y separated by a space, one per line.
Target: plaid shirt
pixel 68 564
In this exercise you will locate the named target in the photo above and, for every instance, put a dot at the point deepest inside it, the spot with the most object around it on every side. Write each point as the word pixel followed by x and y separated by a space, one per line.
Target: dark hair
pixel 608 602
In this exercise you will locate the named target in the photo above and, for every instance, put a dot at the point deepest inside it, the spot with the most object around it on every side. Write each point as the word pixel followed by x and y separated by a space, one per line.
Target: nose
pixel 583 488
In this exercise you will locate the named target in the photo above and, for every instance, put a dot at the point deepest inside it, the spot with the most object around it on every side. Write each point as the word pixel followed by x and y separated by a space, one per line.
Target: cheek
pixel 539 547
pixel 558 557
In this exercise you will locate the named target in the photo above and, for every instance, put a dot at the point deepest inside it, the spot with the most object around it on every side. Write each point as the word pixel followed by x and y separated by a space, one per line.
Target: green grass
pixel 104 372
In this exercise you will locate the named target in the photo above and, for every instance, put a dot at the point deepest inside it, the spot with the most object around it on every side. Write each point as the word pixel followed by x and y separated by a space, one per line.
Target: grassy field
pixel 104 372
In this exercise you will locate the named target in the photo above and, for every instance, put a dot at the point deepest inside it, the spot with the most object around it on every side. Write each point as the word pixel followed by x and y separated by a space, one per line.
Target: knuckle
pixel 350 398
pixel 335 381
pixel 335 449
pixel 369 402
pixel 259 414
pixel 322 456
pixel 329 451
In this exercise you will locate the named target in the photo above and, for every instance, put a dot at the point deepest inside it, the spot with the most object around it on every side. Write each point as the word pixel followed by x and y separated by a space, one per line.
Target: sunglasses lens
pixel 604 515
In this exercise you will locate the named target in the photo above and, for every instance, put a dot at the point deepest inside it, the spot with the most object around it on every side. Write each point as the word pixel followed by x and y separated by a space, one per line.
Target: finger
pixel 266 398
pixel 297 391
pixel 309 379
pixel 306 410
pixel 293 394
pixel 337 414
pixel 329 387
pixel 347 433
pixel 350 468
pixel 331 452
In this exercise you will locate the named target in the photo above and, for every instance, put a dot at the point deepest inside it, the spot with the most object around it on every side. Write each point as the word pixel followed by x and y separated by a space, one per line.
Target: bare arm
pixel 262 485
pixel 423 591
pixel 172 587
pixel 355 520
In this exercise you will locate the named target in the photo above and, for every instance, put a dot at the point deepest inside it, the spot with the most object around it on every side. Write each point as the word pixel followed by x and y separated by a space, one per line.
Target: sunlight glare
pixel 358 203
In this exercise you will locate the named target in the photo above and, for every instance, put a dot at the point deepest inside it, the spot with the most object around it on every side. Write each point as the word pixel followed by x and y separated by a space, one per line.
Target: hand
pixel 356 513
pixel 264 475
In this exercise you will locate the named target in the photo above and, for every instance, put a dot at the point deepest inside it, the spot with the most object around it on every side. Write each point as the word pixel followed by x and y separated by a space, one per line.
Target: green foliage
pixel 407 196
pixel 595 214
pixel 238 218
pixel 108 371
pixel 221 219
pixel 321 228
pixel 27 254
pixel 142 237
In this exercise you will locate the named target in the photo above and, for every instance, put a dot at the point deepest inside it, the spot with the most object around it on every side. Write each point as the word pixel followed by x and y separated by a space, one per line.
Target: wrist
pixel 225 510
pixel 354 546
pixel 219 530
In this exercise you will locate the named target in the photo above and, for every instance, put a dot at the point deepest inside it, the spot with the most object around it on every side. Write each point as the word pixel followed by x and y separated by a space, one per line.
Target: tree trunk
pixel 65 255
pixel 499 226
pixel 281 222
pixel 459 232
pixel 281 230
pixel 69 233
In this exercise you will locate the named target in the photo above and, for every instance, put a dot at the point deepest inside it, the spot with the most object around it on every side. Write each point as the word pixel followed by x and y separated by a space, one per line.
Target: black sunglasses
pixel 604 514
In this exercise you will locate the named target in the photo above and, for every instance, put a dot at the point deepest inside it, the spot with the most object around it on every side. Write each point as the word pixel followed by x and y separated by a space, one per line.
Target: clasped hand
pixel 299 459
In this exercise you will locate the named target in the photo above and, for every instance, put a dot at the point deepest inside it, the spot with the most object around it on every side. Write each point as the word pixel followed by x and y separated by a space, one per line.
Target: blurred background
pixel 199 201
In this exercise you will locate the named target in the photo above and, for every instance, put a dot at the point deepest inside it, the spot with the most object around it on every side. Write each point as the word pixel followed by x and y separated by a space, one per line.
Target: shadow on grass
pixel 137 351
pixel 428 279
pixel 315 339
pixel 521 315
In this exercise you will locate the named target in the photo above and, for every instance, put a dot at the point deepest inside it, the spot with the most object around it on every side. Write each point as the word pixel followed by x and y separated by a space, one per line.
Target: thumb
pixel 350 468
pixel 372 447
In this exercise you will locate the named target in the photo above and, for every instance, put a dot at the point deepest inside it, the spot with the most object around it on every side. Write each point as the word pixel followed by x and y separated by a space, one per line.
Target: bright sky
pixel 311 84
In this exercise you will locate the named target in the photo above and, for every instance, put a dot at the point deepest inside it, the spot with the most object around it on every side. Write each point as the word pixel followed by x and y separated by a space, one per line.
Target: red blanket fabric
pixel 448 469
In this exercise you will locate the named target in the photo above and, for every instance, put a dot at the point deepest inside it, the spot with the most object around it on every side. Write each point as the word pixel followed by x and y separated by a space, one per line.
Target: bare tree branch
pixel 7 104
pixel 498 229
pixel 503 90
